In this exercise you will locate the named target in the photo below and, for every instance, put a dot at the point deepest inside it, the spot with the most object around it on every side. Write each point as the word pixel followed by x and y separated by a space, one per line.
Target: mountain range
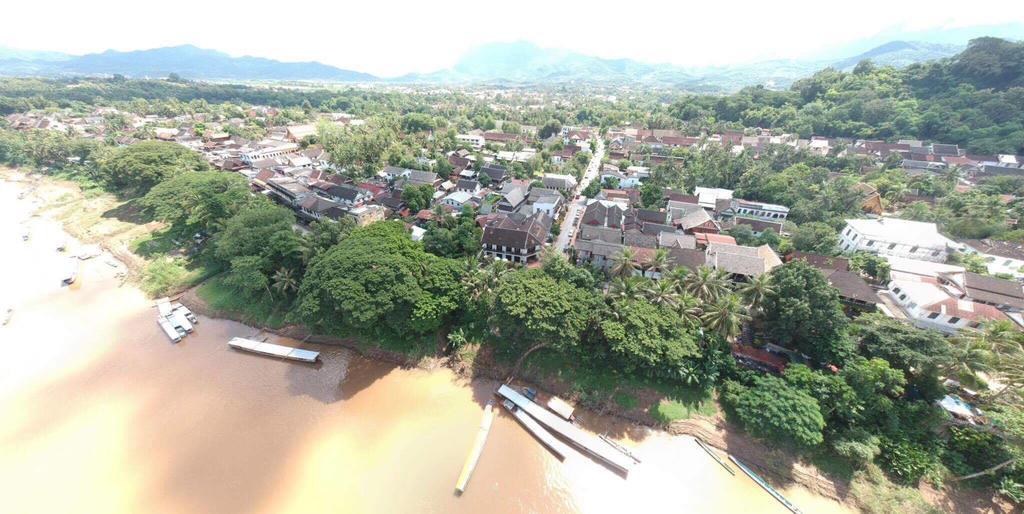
pixel 524 62
pixel 186 60
pixel 496 63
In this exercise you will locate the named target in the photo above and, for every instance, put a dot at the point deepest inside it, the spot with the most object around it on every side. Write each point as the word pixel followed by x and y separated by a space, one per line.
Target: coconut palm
pixel 624 264
pixel 971 356
pixel 627 288
pixel 662 292
pixel 659 261
pixel 707 284
pixel 688 307
pixel 677 276
pixel 726 317
pixel 755 291
pixel 285 282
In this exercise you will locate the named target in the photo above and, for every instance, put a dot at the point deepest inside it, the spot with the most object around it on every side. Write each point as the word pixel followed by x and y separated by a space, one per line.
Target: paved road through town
pixel 578 204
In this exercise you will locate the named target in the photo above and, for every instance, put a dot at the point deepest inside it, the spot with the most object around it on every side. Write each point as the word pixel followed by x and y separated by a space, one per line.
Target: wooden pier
pixel 590 444
pixel 556 447
pixel 478 448
pixel 274 350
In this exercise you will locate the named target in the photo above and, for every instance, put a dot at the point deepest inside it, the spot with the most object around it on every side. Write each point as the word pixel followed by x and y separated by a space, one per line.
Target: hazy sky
pixel 388 37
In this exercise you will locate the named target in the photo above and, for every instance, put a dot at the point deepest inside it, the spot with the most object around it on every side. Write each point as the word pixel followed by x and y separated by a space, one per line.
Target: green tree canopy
pixel 532 307
pixel 647 338
pixel 816 237
pixel 139 167
pixel 803 311
pixel 378 280
pixel 197 201
pixel 771 409
pixel 418 197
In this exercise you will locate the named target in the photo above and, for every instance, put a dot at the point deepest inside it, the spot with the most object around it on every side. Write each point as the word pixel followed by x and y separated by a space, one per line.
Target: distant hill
pixel 524 63
pixel 187 61
pixel 31 55
pixel 901 53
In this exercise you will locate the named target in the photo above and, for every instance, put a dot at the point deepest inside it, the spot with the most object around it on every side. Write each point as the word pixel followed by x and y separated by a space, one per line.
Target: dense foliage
pixel 377 280
pixel 139 167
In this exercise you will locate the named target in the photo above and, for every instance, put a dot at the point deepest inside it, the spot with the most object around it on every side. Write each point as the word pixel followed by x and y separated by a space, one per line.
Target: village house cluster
pixel 517 216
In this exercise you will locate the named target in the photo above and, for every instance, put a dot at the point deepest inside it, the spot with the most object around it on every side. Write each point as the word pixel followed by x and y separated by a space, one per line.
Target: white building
pixel 1001 257
pixel 472 140
pixel 268 149
pixel 896 237
pixel 707 197
pixel 765 211
pixel 929 305
pixel 457 199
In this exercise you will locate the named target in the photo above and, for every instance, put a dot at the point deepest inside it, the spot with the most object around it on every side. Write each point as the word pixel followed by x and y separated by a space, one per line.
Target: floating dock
pixel 714 455
pixel 274 350
pixel 169 330
pixel 764 485
pixel 478 448
pixel 590 444
pixel 556 447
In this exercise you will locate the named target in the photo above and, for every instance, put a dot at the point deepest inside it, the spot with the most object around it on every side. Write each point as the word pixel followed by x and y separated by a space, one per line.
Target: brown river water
pixel 100 413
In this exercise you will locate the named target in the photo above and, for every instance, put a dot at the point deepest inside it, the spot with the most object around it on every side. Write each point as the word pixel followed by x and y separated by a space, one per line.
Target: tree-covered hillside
pixel 975 99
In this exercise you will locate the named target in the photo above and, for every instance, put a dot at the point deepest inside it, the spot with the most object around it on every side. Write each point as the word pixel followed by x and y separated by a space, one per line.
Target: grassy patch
pixel 262 312
pixel 626 400
pixel 153 244
pixel 684 403
pixel 170 275
pixel 875 494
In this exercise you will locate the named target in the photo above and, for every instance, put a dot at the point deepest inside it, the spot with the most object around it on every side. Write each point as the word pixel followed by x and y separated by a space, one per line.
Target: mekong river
pixel 100 413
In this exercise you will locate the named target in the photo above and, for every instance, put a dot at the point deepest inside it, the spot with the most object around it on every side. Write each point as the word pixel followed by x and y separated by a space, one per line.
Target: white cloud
pixel 387 37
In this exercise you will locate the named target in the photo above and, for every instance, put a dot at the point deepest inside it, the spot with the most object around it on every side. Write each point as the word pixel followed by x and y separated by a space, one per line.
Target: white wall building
pixel 896 237
pixel 1001 257
pixel 457 199
pixel 930 306
pixel 708 197
pixel 474 141
pixel 268 150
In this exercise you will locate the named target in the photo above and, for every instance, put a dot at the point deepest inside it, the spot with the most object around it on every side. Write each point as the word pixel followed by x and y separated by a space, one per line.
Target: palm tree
pixel 755 291
pixel 707 284
pixel 662 292
pixel 659 261
pixel 688 307
pixel 677 276
pixel 626 288
pixel 726 317
pixel 623 263
pixel 285 282
pixel 971 356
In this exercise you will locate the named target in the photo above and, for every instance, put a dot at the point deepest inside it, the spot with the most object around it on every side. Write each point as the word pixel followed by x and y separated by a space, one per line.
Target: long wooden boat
pixel 714 455
pixel 614 444
pixel 556 447
pixel 274 350
pixel 477 449
pixel 586 442
pixel 764 485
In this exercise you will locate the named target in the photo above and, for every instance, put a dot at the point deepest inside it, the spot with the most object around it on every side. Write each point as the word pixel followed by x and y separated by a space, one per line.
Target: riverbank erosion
pixel 479 372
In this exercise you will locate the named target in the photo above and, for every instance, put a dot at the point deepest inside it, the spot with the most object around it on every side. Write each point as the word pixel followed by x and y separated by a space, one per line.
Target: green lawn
pixel 168 275
pixel 668 410
pixel 262 312
pixel 594 384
